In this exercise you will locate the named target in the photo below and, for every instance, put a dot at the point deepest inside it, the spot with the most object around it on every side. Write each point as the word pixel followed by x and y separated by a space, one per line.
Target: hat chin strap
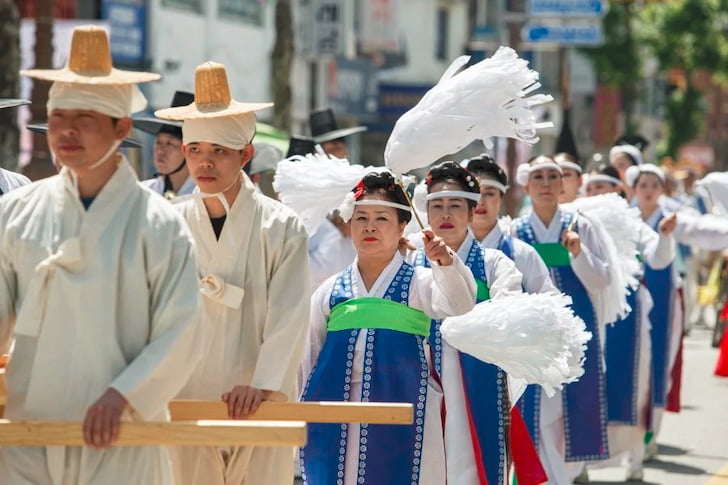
pixel 207 195
pixel 112 149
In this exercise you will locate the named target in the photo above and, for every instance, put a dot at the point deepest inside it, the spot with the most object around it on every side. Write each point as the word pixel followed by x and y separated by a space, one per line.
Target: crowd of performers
pixel 114 301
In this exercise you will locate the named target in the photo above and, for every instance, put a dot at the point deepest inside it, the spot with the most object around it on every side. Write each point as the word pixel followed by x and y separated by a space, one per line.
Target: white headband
pixel 633 173
pixel 232 131
pixel 346 209
pixel 493 183
pixel 630 150
pixel 603 178
pixel 525 170
pixel 453 193
pixel 117 101
pixel 570 165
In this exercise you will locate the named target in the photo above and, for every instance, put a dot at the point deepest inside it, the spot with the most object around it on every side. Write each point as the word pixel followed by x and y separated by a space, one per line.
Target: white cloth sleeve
pixel 708 232
pixel 444 290
pixel 316 331
pixel 536 276
pixel 503 278
pixel 657 250
pixel 591 266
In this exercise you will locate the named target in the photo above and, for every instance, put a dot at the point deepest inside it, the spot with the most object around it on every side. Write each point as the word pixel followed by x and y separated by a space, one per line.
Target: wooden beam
pixel 200 433
pixel 311 412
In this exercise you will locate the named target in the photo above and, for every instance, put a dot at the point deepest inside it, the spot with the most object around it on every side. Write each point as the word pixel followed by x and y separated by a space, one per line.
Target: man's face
pixel 214 168
pixel 336 148
pixel 80 138
pixel 168 154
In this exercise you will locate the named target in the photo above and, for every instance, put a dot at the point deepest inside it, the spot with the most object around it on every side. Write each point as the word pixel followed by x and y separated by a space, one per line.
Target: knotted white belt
pixel 217 289
pixel 33 310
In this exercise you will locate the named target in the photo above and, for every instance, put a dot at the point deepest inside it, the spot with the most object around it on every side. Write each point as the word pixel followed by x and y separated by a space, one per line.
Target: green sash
pixel 553 254
pixel 378 313
pixel 483 290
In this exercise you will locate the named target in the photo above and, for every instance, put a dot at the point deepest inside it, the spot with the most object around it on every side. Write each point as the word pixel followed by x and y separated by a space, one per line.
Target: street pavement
pixel 693 444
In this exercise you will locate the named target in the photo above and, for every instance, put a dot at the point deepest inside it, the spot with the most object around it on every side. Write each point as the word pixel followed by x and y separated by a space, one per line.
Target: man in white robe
pixel 252 256
pixel 97 286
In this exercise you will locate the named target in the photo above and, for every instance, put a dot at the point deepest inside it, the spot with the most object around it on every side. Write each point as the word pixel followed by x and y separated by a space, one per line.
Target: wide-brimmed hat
pixel 155 125
pixel 43 128
pixel 324 127
pixel 300 145
pixel 212 97
pixel 12 103
pixel 89 62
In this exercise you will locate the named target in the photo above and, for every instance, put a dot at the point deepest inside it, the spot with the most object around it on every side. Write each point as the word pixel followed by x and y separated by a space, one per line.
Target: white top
pixel 11 180
pixel 156 184
pixel 329 252
pixel 536 276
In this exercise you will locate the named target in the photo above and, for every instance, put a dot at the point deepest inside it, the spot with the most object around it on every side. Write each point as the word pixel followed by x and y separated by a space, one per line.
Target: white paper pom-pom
pixel 535 337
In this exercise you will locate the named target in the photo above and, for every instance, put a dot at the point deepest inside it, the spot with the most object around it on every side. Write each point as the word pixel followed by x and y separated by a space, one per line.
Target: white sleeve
pixel 536 276
pixel 657 250
pixel 8 288
pixel 591 266
pixel 702 231
pixel 316 331
pixel 444 290
pixel 503 276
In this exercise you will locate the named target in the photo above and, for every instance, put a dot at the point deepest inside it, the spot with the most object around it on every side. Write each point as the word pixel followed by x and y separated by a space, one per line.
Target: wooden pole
pixel 201 433
pixel 312 412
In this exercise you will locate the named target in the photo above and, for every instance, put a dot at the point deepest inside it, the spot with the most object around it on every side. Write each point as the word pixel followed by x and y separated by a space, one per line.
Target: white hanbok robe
pixel 256 298
pixel 11 180
pixel 156 184
pixel 536 276
pixel 439 292
pixel 593 272
pixel 97 298
pixel 329 252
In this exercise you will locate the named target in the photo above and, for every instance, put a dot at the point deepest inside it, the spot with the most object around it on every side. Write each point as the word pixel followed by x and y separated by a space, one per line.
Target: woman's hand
pixel 436 249
pixel 572 242
pixel 668 224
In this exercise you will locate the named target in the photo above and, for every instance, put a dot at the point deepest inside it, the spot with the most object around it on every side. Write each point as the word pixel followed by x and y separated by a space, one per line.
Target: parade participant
pixel 261 168
pixel 97 285
pixel 477 400
pixel 628 346
pixel 11 180
pixel 368 342
pixel 326 133
pixel 252 259
pixel 173 176
pixel 569 428
pixel 571 178
pixel 487 228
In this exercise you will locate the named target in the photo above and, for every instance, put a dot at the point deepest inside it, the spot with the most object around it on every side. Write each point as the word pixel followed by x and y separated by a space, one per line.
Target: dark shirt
pixel 86 201
pixel 217 223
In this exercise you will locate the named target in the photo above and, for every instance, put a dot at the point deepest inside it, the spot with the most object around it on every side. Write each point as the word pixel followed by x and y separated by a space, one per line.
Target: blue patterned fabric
pixel 395 370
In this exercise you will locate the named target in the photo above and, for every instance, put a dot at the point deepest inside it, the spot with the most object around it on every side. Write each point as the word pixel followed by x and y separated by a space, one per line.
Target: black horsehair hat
pixel 12 103
pixel 324 127
pixel 43 128
pixel 300 145
pixel 156 125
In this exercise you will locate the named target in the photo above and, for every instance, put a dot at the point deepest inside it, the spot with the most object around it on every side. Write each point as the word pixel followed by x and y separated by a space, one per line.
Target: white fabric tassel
pixel 535 337
pixel 314 185
pixel 617 225
pixel 483 101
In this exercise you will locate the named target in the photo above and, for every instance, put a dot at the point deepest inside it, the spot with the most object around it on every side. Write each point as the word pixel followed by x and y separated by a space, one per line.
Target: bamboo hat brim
pixel 90 63
pixel 212 98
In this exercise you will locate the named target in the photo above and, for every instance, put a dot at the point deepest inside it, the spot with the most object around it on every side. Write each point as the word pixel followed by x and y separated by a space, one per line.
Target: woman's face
pixel 488 208
pixel 621 161
pixel 375 229
pixel 599 188
pixel 449 217
pixel 648 189
pixel 544 186
pixel 571 183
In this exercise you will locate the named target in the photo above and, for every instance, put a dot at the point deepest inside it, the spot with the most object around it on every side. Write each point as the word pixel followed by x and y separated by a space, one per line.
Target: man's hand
pixel 103 419
pixel 242 401
pixel 572 242
pixel 668 224
pixel 436 249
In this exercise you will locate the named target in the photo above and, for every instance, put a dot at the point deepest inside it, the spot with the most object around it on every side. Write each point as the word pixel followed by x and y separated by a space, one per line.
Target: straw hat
pixel 90 62
pixel 12 103
pixel 212 97
pixel 43 129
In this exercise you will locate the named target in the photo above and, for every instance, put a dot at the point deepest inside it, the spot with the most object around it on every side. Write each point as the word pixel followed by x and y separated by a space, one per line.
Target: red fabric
pixel 673 395
pixel 721 368
pixel 529 470
pixel 724 313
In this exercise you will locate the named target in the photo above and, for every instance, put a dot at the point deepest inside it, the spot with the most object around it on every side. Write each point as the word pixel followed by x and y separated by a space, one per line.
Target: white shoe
pixel 583 477
pixel 651 450
pixel 635 476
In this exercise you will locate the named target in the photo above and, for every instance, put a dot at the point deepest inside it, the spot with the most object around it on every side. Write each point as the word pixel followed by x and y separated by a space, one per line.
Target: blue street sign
pixel 566 34
pixel 128 30
pixel 566 8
